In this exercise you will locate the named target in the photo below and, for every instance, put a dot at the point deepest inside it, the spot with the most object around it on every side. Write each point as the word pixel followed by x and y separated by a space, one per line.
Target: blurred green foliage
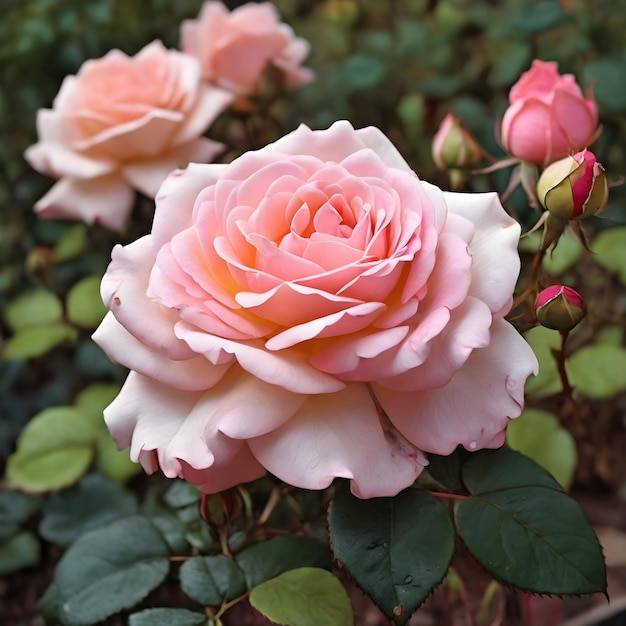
pixel 400 65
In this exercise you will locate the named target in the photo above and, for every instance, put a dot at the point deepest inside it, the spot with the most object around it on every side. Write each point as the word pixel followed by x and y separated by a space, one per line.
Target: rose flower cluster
pixel 315 310
pixel 123 123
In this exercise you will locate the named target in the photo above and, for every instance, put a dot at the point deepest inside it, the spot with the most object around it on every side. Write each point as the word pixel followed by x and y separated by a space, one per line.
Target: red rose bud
pixel 559 307
pixel 454 146
pixel 574 188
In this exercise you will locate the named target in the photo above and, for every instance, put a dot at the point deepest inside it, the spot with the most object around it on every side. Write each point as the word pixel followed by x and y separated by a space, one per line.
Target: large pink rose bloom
pixel 123 123
pixel 315 310
pixel 235 48
pixel 549 117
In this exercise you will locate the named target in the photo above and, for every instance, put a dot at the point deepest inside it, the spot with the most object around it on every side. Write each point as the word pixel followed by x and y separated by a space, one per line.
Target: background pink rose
pixel 548 117
pixel 315 310
pixel 235 48
pixel 123 123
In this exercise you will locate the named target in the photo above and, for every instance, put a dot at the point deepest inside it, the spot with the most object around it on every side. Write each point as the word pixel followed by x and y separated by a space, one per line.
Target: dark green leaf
pixel 270 558
pixel 93 502
pixel 109 569
pixel 397 549
pixel 524 530
pixel 492 470
pixel 20 551
pixel 607 77
pixel 212 580
pixel 446 470
pixel 15 508
pixel 538 17
pixel 168 617
pixel 304 597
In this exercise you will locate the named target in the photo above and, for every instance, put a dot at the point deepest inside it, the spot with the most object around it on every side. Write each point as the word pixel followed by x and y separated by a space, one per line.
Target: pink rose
pixel 123 123
pixel 315 310
pixel 549 117
pixel 235 48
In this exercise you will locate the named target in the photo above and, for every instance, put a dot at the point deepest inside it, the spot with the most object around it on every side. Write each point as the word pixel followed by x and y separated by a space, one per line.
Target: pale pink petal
pixel 148 175
pixel 194 374
pixel 477 403
pixel 107 200
pixel 467 330
pixel 175 200
pixel 287 368
pixel 237 468
pixel 495 259
pixel 344 322
pixel 191 429
pixel 54 155
pixel 211 101
pixel 123 291
pixel 340 435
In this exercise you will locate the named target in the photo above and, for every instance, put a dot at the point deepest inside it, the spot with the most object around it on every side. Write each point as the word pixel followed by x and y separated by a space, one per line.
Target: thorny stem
pixel 534 274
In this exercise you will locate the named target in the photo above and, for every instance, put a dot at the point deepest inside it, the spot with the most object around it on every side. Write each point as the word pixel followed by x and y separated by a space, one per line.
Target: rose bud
pixel 559 307
pixel 454 146
pixel 548 117
pixel 574 188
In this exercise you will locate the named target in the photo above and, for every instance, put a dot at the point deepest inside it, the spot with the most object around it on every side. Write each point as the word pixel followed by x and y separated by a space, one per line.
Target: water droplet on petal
pixel 473 445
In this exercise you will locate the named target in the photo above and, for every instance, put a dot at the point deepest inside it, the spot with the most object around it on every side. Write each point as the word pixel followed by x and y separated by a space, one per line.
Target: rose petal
pixel 288 368
pixel 148 175
pixel 475 406
pixel 123 291
pixel 495 259
pixel 340 435
pixel 194 374
pixel 107 200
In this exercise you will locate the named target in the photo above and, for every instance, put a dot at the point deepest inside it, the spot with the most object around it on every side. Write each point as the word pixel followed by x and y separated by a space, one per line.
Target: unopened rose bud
pixel 574 188
pixel 454 146
pixel 559 307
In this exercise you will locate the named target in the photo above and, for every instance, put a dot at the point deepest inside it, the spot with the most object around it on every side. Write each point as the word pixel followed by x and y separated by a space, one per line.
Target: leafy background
pixel 399 65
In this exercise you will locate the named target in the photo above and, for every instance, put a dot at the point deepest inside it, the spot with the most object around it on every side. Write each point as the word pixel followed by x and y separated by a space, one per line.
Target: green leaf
pixel 608 247
pixel 446 470
pixel 92 400
pixel 53 451
pixel 598 371
pixel 92 503
pixel 362 72
pixel 84 304
pixel 304 597
pixel 524 530
pixel 212 580
pixel 609 89
pixel 397 549
pixel 538 17
pixel 21 551
pixel 110 569
pixel 168 617
pixel 35 308
pixel 33 342
pixel 564 256
pixel 72 243
pixel 113 463
pixel 539 435
pixel 270 558
pixel 15 509
pixel 547 382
